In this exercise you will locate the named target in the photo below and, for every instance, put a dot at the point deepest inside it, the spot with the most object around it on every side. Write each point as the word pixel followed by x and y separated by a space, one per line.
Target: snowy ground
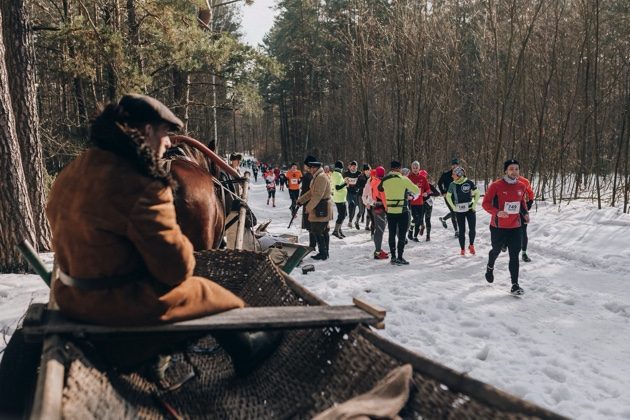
pixel 565 345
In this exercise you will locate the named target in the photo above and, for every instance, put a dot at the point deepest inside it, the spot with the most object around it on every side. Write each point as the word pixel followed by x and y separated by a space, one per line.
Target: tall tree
pixel 18 33
pixel 16 218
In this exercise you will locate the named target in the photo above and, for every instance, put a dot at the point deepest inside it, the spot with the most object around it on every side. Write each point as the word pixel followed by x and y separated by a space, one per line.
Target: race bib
pixel 352 181
pixel 462 207
pixel 512 207
pixel 294 181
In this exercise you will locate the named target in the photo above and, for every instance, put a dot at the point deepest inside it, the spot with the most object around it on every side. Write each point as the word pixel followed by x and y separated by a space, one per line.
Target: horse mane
pixel 182 151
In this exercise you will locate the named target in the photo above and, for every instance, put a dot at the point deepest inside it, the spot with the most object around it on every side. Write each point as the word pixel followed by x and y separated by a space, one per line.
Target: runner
pixel 417 204
pixel 294 177
pixel 529 199
pixel 395 186
pixel 340 191
pixel 270 180
pixel 368 201
pixel 505 201
pixel 375 203
pixel 351 176
pixel 443 184
pixel 462 196
pixel 282 180
pixel 428 205
pixel 362 181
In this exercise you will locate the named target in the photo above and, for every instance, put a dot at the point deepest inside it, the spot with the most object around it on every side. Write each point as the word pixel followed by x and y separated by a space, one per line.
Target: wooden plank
pixel 370 308
pixel 49 387
pixel 258 318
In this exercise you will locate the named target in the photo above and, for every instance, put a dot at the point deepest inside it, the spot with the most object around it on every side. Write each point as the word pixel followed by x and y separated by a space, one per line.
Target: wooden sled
pixel 314 368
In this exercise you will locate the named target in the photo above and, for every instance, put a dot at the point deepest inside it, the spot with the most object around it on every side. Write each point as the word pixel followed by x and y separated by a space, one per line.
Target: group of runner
pixel 402 200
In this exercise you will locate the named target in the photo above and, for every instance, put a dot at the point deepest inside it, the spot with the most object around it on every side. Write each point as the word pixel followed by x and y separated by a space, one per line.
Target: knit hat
pixel 455 161
pixel 354 162
pixel 236 156
pixel 423 173
pixel 510 162
pixel 394 164
pixel 339 165
pixel 380 172
pixel 366 167
pixel 459 171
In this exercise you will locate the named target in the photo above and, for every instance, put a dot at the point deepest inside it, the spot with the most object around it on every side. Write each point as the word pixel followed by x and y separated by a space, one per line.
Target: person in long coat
pixel 318 205
pixel 123 259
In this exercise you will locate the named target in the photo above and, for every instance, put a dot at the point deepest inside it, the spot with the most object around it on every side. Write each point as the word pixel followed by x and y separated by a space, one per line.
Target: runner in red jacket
pixel 505 201
pixel 417 204
pixel 529 199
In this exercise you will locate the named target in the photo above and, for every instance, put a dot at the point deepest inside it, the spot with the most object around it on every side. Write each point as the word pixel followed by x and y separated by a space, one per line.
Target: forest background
pixel 546 82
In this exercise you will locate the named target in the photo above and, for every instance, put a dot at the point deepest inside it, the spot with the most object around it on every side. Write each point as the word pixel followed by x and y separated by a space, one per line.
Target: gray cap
pixel 145 109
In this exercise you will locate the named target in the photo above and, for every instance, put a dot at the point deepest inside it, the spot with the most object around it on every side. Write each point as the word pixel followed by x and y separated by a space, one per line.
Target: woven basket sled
pixel 312 369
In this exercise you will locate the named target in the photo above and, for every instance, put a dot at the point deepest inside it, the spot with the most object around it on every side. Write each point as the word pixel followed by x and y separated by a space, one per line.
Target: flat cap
pixel 145 109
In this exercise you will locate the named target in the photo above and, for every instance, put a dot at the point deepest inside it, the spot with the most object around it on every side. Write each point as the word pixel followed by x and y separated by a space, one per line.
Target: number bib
pixel 512 207
pixel 462 207
pixel 294 181
pixel 352 181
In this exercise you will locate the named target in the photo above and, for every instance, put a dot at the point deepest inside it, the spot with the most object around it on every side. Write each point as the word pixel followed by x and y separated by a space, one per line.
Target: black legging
pixel 428 209
pixel 397 224
pixel 511 238
pixel 524 238
pixel 471 217
pixel 352 205
pixel 417 214
pixel 341 212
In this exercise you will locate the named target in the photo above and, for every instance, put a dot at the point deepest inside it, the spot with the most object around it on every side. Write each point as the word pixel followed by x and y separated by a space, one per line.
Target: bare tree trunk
pixel 16 217
pixel 22 84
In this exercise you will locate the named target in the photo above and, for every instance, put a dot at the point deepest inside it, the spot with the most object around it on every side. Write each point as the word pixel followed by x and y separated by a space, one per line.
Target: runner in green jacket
pixel 395 186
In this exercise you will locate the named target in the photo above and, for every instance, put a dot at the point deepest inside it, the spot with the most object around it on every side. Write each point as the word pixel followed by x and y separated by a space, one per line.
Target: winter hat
pixel 354 162
pixel 455 161
pixel 394 164
pixel 366 167
pixel 423 173
pixel 459 171
pixel 339 165
pixel 510 162
pixel 145 109
pixel 380 172
pixel 236 156
pixel 309 159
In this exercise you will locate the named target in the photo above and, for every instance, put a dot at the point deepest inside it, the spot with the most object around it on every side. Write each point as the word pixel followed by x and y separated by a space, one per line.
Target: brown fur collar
pixel 127 142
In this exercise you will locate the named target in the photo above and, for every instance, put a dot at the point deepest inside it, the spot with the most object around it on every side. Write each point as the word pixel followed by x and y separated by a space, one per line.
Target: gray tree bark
pixel 20 62
pixel 16 218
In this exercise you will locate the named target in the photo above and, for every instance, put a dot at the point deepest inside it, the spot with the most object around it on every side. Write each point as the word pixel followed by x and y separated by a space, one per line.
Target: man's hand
pixel 502 214
pixel 526 218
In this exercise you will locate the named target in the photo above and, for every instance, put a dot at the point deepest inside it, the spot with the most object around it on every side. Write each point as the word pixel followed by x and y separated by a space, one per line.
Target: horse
pixel 199 209
pixel 204 195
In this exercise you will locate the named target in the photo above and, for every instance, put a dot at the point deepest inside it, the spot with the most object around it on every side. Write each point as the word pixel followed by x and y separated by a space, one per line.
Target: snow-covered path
pixel 565 345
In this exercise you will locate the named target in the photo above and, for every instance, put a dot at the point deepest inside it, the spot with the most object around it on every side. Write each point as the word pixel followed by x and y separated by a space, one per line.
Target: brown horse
pixel 199 208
